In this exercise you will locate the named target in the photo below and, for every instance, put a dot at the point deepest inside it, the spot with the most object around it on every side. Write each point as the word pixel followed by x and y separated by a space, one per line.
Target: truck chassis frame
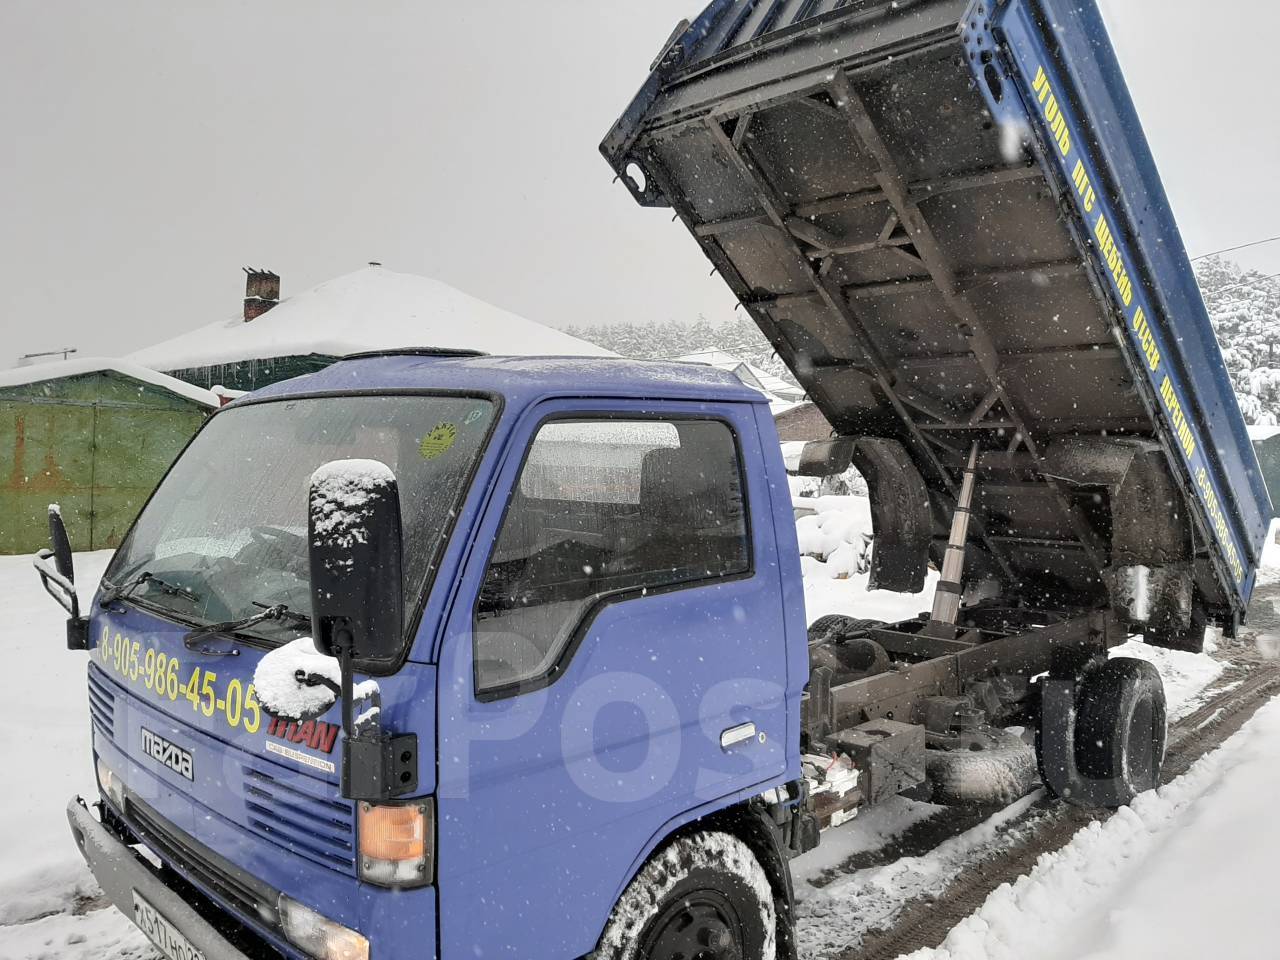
pixel 938 694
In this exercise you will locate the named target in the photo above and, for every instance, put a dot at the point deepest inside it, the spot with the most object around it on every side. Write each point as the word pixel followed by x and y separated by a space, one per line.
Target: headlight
pixel 112 786
pixel 397 843
pixel 319 936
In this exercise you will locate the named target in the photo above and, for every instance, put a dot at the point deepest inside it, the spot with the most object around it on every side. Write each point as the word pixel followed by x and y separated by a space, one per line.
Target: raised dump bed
pixel 945 217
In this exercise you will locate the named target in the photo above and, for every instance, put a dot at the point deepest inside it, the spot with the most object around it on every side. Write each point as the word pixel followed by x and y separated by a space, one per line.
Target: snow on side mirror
pixel 297 682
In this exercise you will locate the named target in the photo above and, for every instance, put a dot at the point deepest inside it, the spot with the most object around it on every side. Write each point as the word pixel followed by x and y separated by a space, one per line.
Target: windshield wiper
pixel 126 589
pixel 279 611
pixel 284 613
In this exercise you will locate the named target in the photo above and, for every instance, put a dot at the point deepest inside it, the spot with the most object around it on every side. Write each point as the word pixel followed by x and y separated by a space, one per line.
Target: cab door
pixel 614 664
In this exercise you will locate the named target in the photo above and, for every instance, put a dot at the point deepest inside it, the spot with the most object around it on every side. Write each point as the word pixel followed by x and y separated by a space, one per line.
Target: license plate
pixel 161 932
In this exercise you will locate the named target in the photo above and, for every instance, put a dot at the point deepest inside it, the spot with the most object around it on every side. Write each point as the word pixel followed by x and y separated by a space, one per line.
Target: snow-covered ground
pixel 44 716
pixel 1098 897
pixel 44 751
pixel 1187 871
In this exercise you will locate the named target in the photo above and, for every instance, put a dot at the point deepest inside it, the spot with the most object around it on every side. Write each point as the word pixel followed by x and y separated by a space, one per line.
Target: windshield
pixel 225 535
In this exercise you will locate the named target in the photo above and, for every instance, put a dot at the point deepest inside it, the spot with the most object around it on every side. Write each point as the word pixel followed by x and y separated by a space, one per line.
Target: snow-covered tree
pixel 1244 306
pixel 739 337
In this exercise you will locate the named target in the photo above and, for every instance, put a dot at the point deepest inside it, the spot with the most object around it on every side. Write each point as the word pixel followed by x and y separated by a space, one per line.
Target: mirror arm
pixel 63 591
pixel 376 765
pixel 318 680
pixel 372 722
pixel 50 575
pixel 347 676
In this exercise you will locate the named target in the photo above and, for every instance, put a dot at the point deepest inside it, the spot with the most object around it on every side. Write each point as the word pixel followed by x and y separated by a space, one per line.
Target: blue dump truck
pixel 442 655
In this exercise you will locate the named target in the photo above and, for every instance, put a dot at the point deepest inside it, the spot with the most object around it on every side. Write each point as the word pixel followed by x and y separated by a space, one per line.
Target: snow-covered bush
pixel 835 540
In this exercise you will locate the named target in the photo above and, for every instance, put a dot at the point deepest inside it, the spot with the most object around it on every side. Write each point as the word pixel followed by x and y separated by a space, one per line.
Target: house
pixel 273 339
pixel 781 393
pixel 92 435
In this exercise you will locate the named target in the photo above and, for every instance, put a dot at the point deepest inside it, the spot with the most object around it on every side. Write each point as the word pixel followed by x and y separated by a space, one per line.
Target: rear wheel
pixel 1121 725
pixel 704 897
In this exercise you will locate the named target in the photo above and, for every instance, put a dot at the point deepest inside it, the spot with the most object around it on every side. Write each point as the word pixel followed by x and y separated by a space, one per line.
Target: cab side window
pixel 604 508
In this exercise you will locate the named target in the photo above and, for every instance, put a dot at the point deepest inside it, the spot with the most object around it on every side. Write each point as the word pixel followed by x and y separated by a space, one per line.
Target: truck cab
pixel 603 641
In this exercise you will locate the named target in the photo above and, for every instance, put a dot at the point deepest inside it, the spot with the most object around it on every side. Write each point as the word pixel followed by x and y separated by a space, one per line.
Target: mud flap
pixel 900 515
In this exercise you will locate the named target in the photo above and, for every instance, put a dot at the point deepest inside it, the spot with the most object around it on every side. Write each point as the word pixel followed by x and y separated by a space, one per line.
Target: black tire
pixel 998 769
pixel 703 895
pixel 838 626
pixel 1121 725
pixel 821 628
pixel 1189 638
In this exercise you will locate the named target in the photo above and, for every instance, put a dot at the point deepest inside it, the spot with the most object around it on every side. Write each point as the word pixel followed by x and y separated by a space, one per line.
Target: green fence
pixel 1268 451
pixel 97 444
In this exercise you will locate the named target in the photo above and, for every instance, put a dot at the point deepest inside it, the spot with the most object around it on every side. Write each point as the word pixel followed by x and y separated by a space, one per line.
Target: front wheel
pixel 703 897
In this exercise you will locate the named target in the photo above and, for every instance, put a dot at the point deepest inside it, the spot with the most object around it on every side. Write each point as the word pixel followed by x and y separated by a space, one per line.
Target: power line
pixel 1247 283
pixel 1243 246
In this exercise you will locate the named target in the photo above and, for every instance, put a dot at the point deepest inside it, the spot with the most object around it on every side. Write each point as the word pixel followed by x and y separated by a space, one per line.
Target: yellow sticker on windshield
pixel 438 441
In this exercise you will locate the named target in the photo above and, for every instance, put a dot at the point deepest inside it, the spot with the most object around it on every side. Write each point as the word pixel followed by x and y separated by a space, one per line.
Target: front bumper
pixel 119 871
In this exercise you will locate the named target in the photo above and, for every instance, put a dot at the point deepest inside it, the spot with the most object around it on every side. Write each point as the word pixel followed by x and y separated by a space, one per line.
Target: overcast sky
pixel 154 147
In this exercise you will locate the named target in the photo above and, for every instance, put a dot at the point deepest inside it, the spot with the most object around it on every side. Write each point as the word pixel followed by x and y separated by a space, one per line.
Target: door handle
pixel 733 736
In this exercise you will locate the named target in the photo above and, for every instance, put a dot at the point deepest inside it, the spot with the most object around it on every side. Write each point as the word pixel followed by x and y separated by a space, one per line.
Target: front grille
pixel 243 892
pixel 299 815
pixel 102 705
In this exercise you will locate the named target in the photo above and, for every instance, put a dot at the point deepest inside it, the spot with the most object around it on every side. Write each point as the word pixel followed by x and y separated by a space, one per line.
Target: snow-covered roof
pixel 749 373
pixel 370 309
pixel 78 366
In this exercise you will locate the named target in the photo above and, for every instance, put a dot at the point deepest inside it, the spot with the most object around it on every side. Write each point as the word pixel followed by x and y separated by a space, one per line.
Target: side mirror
pixel 357 592
pixel 296 682
pixel 826 458
pixel 61 543
pixel 357 614
pixel 57 576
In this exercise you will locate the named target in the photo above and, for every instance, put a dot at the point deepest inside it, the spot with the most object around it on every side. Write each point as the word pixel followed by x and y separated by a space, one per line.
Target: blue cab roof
pixel 520 380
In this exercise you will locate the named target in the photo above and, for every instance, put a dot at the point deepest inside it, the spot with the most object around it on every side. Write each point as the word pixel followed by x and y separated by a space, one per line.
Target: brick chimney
pixel 261 292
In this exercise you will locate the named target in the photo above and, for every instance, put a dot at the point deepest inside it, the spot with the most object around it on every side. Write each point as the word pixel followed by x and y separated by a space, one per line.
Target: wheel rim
pixel 700 926
pixel 1140 758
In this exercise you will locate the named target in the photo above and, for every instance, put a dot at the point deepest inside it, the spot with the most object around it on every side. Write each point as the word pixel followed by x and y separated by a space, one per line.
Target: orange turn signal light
pixel 393 832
